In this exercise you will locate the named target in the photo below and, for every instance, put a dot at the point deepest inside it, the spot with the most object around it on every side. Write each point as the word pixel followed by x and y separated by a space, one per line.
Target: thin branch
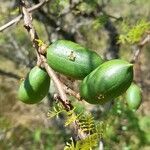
pixel 67 106
pixel 145 40
pixel 18 18
pixel 72 93
pixel 58 84
pixel 139 48
pixel 9 74
pixel 34 37
pixel 15 20
pixel 136 59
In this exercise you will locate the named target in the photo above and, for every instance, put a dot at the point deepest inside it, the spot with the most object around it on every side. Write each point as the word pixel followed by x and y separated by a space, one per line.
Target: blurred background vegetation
pixel 112 28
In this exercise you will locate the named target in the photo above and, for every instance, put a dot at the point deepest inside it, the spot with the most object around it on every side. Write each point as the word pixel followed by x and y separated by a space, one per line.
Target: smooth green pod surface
pixel 71 59
pixel 134 97
pixel 35 87
pixel 107 82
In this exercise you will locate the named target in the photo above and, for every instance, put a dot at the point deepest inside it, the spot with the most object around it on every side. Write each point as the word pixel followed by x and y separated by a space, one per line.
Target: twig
pixel 72 93
pixel 67 106
pixel 9 74
pixel 139 47
pixel 58 84
pixel 136 59
pixel 34 37
pixel 18 18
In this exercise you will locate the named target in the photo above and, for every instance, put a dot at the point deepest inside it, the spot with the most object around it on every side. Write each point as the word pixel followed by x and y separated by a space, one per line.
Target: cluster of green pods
pixel 108 81
pixel 102 81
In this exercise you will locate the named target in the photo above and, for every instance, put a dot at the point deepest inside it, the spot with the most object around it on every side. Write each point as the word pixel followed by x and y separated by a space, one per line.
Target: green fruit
pixel 134 97
pixel 71 59
pixel 35 87
pixel 107 82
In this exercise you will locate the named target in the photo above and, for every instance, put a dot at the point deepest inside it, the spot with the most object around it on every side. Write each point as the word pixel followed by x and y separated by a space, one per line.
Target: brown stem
pixel 136 59
pixel 18 18
pixel 34 38
pixel 58 84
pixel 72 93
pixel 9 74
pixel 139 48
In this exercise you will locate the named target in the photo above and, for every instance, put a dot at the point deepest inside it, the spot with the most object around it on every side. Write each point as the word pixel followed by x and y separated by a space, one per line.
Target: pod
pixel 107 82
pixel 35 86
pixel 133 97
pixel 71 59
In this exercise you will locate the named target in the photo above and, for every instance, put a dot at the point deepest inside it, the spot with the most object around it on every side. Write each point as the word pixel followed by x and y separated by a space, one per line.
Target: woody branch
pixel 40 56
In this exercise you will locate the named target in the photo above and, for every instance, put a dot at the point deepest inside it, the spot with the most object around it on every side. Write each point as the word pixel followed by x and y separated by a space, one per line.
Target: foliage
pixel 56 110
pixel 135 33
pixel 125 127
pixel 88 143
pixel 87 123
